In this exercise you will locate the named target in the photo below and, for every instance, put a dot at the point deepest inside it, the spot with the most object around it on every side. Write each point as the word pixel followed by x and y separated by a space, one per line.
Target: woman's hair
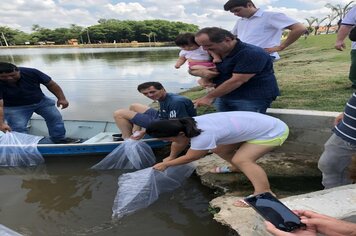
pixel 352 168
pixel 185 39
pixel 172 128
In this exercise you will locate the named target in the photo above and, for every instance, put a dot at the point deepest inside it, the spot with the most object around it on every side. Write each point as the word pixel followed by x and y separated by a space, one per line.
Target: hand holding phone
pixel 274 211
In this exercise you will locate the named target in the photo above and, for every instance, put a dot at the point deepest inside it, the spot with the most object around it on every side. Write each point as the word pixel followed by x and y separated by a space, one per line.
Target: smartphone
pixel 274 211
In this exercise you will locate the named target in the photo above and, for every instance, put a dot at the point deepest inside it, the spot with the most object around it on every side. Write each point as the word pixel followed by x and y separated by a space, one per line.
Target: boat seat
pixel 102 137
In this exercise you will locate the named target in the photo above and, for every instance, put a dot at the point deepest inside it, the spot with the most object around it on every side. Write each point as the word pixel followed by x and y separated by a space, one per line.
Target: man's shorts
pixel 146 118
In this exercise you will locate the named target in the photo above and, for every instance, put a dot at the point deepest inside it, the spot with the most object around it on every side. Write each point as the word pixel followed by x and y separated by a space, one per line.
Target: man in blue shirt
pixel 21 96
pixel 246 80
pixel 138 115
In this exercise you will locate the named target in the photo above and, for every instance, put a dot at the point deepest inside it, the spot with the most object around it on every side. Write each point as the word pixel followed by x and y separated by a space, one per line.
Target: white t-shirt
pixel 263 29
pixel 198 54
pixel 235 127
pixel 350 19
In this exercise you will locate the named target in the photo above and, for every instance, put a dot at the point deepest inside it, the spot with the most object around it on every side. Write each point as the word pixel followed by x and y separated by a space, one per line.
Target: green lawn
pixel 311 74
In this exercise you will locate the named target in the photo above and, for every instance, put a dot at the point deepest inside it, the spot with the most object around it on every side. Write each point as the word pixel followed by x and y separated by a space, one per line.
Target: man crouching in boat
pixel 21 96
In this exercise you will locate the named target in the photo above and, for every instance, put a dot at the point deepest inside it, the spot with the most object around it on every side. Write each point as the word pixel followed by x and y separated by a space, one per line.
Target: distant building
pixel 73 41
pixel 323 29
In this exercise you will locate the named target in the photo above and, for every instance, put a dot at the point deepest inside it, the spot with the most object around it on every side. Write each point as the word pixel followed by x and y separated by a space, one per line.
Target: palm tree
pixel 310 21
pixel 331 17
pixel 318 22
pixel 340 10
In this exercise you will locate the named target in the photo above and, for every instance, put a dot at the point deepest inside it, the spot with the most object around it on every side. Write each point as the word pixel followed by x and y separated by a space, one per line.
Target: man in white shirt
pixel 263 29
pixel 347 24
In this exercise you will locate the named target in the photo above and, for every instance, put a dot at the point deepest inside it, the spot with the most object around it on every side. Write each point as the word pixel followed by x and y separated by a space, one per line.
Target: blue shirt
pixel 176 106
pixel 248 59
pixel 346 129
pixel 27 89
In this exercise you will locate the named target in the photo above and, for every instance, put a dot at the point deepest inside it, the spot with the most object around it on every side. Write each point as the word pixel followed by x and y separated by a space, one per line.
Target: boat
pixel 96 138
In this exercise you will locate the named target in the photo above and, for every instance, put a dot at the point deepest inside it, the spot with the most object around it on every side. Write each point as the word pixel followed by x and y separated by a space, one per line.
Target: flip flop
pixel 221 170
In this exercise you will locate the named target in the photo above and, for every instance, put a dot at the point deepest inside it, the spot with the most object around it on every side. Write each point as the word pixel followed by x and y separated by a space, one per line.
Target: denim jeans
pixel 334 162
pixel 256 105
pixel 17 117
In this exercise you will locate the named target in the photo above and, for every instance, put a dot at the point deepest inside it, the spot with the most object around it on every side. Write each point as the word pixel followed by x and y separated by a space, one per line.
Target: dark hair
pixel 172 128
pixel 146 85
pixel 216 34
pixel 6 67
pixel 236 3
pixel 185 39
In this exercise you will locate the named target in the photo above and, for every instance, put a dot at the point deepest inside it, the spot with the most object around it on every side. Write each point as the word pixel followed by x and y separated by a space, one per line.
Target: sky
pixel 22 15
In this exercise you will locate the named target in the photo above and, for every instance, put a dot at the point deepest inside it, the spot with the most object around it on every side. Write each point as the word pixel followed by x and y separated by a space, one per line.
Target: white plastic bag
pixel 140 189
pixel 131 154
pixel 18 149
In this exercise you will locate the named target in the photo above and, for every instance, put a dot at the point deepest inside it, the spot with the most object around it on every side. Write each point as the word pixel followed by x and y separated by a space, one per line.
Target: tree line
pixel 106 31
pixel 338 12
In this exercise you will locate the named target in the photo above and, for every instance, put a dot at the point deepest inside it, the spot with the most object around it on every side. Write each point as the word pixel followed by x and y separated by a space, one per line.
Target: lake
pixel 65 197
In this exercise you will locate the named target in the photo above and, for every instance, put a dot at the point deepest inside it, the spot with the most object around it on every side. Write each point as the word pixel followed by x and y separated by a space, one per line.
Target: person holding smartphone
pixel 316 224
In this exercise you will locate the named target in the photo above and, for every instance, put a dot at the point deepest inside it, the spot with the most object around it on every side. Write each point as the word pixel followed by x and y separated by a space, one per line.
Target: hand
pixel 204 101
pixel 309 231
pixel 274 49
pixel 5 127
pixel 160 166
pixel 63 103
pixel 338 118
pixel 340 45
pixel 138 134
pixel 205 84
pixel 177 67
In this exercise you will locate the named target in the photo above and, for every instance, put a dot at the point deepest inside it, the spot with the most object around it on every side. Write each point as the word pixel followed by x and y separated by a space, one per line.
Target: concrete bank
pixel 292 171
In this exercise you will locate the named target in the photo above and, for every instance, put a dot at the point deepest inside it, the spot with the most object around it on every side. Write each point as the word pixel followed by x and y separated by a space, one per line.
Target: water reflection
pixel 98 81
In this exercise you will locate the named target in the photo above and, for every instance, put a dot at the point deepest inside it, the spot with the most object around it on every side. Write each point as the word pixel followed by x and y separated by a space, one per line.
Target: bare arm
pixel 180 62
pixel 54 88
pixel 296 30
pixel 190 156
pixel 341 35
pixel 3 126
pixel 229 85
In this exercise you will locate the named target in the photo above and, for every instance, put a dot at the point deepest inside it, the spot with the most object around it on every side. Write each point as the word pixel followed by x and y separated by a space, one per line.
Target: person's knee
pixel 120 114
pixel 327 162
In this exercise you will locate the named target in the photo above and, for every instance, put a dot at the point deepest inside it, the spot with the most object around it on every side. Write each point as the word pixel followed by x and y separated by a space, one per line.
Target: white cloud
pixel 21 14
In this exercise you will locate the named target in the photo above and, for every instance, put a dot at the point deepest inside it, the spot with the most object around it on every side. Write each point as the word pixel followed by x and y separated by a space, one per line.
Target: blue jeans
pixel 17 118
pixel 256 105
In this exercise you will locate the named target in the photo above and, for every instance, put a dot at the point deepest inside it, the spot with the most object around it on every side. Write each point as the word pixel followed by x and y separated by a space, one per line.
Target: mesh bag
pixel 131 154
pixel 140 189
pixel 18 149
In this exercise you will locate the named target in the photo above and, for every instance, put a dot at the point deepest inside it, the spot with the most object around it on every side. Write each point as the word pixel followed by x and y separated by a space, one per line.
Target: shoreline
pixel 133 44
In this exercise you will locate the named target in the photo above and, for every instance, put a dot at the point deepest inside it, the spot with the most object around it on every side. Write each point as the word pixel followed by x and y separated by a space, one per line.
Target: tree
pixel 340 10
pixel 317 25
pixel 310 21
pixel 331 17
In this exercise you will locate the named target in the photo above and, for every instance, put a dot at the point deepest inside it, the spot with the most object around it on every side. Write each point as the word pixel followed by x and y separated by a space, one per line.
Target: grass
pixel 311 74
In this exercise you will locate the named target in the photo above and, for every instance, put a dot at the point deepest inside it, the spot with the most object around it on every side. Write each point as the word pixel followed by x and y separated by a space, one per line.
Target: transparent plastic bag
pixel 18 149
pixel 140 189
pixel 131 154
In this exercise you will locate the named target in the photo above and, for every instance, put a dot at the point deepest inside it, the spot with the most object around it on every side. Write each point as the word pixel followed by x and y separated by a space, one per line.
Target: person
pixel 197 57
pixel 21 96
pixel 347 24
pixel 140 116
pixel 239 137
pixel 316 224
pixel 340 148
pixel 263 28
pixel 246 80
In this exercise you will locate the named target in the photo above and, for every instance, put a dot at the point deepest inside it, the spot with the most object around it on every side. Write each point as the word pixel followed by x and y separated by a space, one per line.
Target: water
pixel 64 197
